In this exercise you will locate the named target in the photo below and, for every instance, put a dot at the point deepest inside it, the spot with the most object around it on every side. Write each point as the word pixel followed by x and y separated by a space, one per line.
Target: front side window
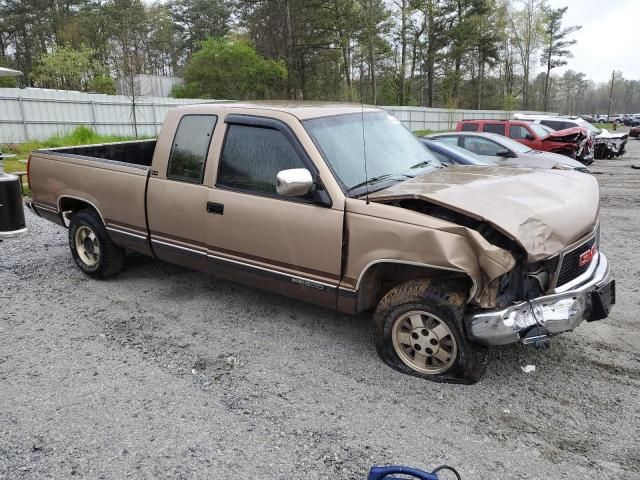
pixel 253 156
pixel 518 132
pixel 190 148
pixel 498 128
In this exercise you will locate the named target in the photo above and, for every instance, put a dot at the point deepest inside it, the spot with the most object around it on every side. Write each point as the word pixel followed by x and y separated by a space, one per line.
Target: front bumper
pixel 562 310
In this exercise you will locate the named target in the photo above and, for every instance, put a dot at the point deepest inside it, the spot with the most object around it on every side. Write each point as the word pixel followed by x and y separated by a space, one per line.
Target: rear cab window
pixel 498 128
pixel 470 127
pixel 190 148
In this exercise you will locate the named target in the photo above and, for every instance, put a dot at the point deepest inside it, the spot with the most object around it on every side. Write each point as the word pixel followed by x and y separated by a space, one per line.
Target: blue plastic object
pixel 384 473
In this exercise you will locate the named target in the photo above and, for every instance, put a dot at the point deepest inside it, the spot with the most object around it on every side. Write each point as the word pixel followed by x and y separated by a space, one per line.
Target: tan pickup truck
pixel 283 197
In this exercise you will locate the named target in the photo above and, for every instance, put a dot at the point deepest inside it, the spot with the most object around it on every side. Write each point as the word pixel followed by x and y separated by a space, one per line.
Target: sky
pixel 608 39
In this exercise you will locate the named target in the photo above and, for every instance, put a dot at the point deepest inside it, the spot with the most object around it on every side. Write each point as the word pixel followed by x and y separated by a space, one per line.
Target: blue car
pixel 452 155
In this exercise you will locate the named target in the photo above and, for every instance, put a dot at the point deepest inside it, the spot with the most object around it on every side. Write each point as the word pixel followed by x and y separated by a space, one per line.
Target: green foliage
pixel 422 133
pixel 8 82
pixel 471 53
pixel 78 136
pixel 196 20
pixel 509 103
pixel 103 84
pixel 66 68
pixel 231 69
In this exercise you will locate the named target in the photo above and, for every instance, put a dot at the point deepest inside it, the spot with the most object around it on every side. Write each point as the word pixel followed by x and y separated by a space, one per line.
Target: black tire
pixel 444 300
pixel 110 260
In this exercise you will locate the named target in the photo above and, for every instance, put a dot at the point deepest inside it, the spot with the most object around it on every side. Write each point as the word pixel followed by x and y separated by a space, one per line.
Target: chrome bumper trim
pixel 496 327
pixel 12 233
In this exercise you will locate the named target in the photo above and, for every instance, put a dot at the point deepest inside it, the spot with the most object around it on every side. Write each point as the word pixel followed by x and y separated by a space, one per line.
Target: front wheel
pixel 418 331
pixel 91 247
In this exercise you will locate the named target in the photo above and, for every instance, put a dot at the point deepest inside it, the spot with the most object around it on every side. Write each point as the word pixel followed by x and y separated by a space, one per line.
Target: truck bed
pixel 110 178
pixel 137 152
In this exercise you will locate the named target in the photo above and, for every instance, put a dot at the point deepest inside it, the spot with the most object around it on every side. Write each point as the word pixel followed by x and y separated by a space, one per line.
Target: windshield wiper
pixel 370 180
pixel 422 164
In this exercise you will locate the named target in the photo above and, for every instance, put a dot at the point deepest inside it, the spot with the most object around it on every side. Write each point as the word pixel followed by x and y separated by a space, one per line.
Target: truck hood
pixel 542 211
pixel 571 135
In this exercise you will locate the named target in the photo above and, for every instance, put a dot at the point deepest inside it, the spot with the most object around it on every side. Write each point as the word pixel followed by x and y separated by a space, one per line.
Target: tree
pixel 66 69
pixel 526 30
pixel 556 45
pixel 197 20
pixel 232 69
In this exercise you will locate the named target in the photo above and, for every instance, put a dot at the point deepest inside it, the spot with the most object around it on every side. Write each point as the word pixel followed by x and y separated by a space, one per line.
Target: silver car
pixel 507 152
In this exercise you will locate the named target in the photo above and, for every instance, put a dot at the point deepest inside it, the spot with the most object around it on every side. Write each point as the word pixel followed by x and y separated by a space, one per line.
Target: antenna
pixel 364 151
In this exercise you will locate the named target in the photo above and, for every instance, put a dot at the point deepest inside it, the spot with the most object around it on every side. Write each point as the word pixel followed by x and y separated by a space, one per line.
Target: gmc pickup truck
pixel 341 206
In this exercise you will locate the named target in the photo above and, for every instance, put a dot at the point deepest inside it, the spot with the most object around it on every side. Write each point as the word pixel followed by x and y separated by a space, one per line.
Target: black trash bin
pixel 11 210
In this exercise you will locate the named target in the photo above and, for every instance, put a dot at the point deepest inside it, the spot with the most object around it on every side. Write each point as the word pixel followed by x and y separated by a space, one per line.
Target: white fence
pixel 442 119
pixel 35 114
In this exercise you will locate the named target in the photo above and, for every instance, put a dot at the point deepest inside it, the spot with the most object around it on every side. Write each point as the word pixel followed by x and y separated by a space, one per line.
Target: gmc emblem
pixel 587 256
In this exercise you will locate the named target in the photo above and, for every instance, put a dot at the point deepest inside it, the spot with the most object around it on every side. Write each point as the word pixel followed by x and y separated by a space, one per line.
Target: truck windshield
pixel 392 152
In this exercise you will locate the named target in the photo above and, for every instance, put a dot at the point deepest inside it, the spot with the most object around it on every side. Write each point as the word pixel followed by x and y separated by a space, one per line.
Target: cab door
pixel 524 135
pixel 289 245
pixel 175 196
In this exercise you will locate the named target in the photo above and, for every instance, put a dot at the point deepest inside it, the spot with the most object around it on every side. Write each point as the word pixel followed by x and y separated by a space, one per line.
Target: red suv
pixel 573 142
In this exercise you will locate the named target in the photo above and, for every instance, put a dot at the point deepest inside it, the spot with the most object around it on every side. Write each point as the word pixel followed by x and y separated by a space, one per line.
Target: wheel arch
pixel 69 203
pixel 380 276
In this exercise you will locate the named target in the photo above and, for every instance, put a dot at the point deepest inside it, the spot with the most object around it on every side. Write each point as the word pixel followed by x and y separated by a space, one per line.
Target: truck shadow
pixel 341 333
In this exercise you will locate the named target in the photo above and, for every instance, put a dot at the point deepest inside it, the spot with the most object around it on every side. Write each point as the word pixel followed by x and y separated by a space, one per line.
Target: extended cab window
pixel 469 127
pixel 253 156
pixel 498 128
pixel 190 147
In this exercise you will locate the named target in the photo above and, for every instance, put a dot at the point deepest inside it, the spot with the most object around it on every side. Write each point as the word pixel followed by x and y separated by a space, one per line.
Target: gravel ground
pixel 163 372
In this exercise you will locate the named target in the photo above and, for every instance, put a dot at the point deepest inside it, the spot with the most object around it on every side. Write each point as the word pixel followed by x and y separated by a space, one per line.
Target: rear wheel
pixel 418 331
pixel 91 247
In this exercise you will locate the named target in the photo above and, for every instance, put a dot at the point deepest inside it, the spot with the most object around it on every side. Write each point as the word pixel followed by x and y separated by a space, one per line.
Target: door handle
pixel 217 208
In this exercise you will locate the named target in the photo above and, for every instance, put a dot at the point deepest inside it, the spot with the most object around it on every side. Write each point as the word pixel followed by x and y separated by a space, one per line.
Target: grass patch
pixel 421 133
pixel 609 126
pixel 78 136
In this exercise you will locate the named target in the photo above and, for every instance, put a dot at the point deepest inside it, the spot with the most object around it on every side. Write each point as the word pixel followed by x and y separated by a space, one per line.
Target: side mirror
pixel 529 137
pixel 294 182
pixel 504 153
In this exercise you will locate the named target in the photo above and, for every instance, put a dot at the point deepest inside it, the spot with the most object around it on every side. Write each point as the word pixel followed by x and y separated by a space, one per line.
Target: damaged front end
pixel 550 285
pixel 588 296
pixel 579 138
pixel 609 145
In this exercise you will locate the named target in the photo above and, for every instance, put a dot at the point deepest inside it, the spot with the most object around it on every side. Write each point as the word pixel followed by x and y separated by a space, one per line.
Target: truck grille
pixel 570 267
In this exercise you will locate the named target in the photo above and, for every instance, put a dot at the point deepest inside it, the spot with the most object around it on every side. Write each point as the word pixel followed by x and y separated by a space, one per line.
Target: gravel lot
pixel 166 373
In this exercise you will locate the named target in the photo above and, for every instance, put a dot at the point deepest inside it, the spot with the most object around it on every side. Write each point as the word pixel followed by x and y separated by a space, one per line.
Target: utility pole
pixel 613 77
